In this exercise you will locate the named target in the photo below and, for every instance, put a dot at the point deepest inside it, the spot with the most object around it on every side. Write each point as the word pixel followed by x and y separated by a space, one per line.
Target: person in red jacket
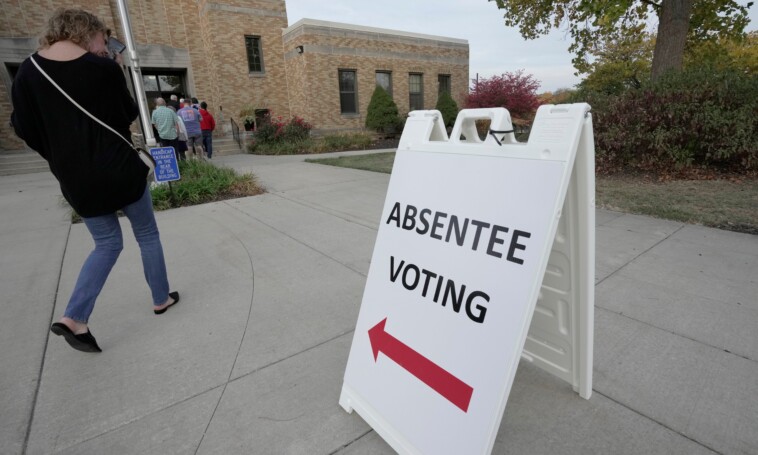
pixel 207 125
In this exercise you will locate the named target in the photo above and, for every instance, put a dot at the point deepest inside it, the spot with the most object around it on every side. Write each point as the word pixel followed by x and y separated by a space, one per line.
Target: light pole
pixel 139 90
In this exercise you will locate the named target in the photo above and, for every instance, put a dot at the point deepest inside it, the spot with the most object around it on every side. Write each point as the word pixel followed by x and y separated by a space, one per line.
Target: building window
pixel 416 82
pixel 254 54
pixel 444 83
pixel 348 94
pixel 384 80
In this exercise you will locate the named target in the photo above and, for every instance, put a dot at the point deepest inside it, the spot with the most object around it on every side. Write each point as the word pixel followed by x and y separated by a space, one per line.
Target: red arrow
pixel 453 389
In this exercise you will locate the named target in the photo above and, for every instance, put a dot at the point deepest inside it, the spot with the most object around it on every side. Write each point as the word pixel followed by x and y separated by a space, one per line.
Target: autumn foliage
pixel 516 92
pixel 698 118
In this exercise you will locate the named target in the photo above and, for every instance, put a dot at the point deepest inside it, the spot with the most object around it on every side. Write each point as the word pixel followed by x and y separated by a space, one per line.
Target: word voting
pixel 489 238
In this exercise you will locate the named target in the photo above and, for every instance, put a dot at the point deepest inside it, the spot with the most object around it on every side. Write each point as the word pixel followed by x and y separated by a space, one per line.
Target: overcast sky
pixel 493 47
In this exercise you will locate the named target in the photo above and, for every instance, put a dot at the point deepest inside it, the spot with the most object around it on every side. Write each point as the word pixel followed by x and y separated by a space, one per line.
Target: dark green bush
pixel 685 119
pixel 382 113
pixel 448 107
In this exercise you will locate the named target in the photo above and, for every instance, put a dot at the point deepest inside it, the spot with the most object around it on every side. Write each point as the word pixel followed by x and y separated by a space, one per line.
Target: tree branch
pixel 652 3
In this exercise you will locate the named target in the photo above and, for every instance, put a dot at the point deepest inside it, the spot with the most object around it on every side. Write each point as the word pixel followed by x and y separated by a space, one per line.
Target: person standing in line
pixel 191 119
pixel 167 124
pixel 181 140
pixel 173 102
pixel 207 125
pixel 98 172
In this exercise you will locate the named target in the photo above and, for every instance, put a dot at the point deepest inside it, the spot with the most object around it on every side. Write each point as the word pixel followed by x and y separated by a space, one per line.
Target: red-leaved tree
pixel 514 91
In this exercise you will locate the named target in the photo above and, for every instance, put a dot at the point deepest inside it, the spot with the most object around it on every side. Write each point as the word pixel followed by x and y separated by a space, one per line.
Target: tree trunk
pixel 672 34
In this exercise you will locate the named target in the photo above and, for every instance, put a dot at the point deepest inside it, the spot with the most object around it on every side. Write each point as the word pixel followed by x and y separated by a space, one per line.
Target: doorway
pixel 163 83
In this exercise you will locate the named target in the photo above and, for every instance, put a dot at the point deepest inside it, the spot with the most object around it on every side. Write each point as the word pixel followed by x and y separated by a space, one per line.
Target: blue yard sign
pixel 166 166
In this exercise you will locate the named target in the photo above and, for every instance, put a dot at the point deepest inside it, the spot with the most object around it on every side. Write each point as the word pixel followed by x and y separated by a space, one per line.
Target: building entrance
pixel 163 83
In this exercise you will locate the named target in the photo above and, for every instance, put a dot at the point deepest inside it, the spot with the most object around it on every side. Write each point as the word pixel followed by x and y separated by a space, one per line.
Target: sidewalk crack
pixel 624 405
pixel 25 447
pixel 341 215
pixel 242 339
pixel 295 239
pixel 641 253
pixel 345 446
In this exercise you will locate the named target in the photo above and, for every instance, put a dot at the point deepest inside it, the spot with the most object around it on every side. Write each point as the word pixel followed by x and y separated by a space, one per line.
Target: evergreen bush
pixel 382 115
pixel 448 107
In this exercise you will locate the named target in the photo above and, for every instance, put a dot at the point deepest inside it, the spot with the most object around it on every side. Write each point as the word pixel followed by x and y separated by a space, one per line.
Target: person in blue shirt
pixel 191 119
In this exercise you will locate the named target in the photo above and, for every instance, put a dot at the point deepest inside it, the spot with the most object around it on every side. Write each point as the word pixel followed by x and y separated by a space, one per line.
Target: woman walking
pixel 98 172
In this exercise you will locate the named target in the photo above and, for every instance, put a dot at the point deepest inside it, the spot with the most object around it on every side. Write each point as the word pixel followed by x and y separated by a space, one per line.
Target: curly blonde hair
pixel 75 25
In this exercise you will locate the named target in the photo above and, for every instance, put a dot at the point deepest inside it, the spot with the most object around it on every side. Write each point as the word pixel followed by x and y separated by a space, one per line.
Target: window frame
pixel 449 79
pixel 342 92
pixel 389 75
pixel 419 94
pixel 251 64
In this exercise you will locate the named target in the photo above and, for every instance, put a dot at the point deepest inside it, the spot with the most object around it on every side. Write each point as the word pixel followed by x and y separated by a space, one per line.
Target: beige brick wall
pixel 28 19
pixel 8 138
pixel 212 33
pixel 297 68
pixel 329 49
pixel 234 86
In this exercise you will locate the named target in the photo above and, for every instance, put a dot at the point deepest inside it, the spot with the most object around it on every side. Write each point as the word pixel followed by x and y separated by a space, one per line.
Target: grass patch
pixel 201 182
pixel 724 203
pixel 376 162
pixel 332 143
pixel 730 204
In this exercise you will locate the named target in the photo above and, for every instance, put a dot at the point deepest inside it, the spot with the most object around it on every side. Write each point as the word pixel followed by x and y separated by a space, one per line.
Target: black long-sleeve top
pixel 97 171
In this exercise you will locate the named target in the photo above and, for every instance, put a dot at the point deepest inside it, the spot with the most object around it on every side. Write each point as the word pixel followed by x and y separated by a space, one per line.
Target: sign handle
pixel 173 197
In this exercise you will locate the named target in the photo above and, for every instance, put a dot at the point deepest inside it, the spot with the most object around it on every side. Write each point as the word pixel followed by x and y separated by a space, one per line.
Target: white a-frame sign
pixel 484 255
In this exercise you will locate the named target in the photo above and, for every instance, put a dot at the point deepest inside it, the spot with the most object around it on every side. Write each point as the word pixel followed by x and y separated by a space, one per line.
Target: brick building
pixel 240 54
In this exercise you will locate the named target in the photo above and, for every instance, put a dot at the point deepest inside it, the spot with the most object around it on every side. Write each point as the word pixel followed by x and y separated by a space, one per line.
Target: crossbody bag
pixel 141 153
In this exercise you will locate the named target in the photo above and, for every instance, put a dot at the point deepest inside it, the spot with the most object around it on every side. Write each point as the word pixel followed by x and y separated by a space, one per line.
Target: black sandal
pixel 84 342
pixel 174 295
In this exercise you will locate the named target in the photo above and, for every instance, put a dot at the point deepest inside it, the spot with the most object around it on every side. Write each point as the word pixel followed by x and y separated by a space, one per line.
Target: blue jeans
pixel 208 142
pixel 106 232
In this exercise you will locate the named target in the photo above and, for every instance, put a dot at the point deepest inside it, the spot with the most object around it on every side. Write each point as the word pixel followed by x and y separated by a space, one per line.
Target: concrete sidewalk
pixel 252 359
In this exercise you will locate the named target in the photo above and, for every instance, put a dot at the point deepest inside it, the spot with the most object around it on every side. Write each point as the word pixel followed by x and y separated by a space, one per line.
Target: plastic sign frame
pixel 466 235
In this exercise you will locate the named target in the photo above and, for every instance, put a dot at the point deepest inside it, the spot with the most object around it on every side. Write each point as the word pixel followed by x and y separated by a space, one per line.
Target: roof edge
pixel 362 28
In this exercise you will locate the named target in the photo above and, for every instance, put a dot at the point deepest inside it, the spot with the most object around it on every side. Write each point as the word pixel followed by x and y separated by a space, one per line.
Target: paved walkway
pixel 252 359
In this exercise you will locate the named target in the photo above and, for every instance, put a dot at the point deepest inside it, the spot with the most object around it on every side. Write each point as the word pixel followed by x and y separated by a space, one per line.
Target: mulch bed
pixel 383 143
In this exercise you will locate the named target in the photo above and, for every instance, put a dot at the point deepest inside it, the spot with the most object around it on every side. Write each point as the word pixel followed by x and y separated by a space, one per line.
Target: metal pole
pixel 139 90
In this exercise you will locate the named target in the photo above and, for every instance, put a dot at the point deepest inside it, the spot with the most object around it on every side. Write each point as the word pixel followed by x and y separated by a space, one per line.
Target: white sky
pixel 493 47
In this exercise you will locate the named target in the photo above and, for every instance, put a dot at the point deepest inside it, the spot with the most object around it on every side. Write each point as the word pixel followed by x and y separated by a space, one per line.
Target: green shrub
pixel 448 107
pixel 685 119
pixel 382 113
